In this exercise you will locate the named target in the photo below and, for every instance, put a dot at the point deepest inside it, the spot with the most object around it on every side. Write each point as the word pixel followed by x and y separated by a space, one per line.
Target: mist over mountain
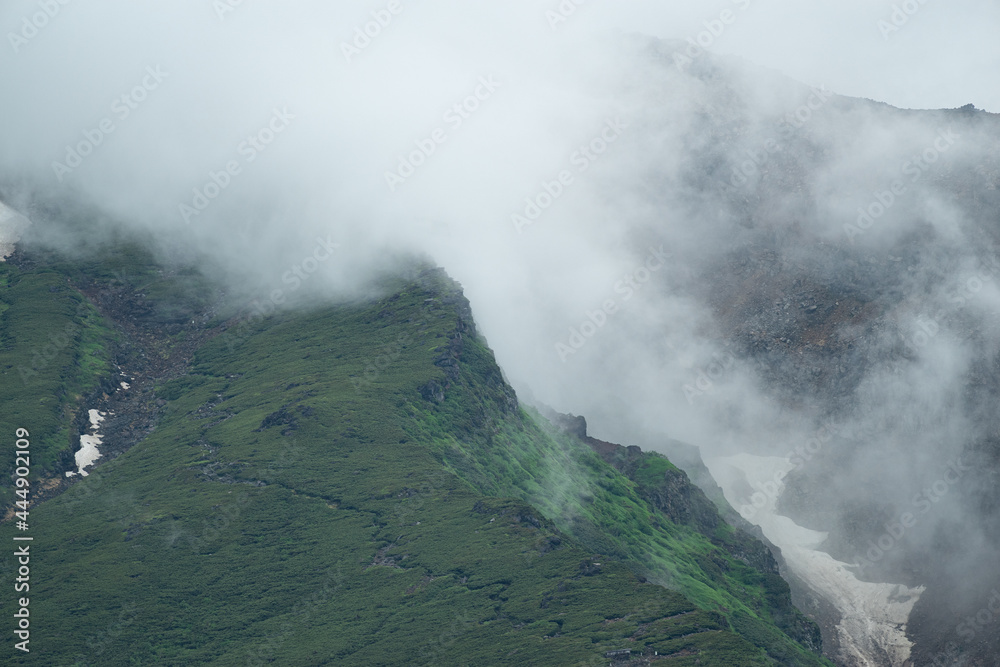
pixel 687 247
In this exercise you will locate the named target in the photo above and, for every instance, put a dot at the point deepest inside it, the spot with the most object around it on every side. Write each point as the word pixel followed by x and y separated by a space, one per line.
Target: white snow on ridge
pixel 88 452
pixel 12 224
pixel 874 615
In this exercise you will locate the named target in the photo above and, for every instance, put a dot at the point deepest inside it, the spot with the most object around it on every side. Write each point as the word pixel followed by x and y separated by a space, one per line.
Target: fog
pixel 589 186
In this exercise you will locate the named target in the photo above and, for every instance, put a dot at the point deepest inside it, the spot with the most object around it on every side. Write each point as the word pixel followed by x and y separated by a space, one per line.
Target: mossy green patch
pixel 54 349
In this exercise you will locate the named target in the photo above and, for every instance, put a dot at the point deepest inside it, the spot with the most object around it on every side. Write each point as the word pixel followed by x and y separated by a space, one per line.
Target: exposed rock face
pixel 144 356
pixel 841 323
pixel 684 503
pixel 448 297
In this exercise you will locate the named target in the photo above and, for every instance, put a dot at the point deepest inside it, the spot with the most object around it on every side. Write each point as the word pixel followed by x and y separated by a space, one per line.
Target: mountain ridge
pixel 252 443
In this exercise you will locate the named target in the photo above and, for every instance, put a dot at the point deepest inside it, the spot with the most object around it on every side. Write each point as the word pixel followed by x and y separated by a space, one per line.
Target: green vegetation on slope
pixel 502 450
pixel 357 485
pixel 53 351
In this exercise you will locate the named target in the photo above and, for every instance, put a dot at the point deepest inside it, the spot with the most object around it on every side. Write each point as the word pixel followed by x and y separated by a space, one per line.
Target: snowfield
pixel 872 632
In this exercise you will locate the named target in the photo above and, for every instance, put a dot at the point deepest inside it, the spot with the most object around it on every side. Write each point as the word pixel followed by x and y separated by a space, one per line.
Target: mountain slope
pixel 274 495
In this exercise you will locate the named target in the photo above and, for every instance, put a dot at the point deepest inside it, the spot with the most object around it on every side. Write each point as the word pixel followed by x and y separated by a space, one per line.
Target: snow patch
pixel 12 225
pixel 89 451
pixel 873 627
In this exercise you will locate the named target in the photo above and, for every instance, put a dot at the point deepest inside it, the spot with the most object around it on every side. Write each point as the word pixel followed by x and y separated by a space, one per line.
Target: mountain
pixel 340 484
pixel 799 284
pixel 862 291
pixel 842 369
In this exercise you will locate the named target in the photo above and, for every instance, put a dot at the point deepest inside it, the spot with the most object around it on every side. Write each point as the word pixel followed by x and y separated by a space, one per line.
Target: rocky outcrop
pixel 669 490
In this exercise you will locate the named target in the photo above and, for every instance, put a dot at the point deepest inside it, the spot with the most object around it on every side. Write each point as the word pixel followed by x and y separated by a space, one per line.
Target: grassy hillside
pixel 352 485
pixel 53 351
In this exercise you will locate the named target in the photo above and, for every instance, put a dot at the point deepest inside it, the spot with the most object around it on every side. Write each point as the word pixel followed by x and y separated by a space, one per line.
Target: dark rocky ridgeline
pixel 673 493
pixel 668 489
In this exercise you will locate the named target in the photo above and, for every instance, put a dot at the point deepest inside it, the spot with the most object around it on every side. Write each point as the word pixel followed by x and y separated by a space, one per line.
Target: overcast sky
pixel 180 87
pixel 945 55
pixel 183 84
